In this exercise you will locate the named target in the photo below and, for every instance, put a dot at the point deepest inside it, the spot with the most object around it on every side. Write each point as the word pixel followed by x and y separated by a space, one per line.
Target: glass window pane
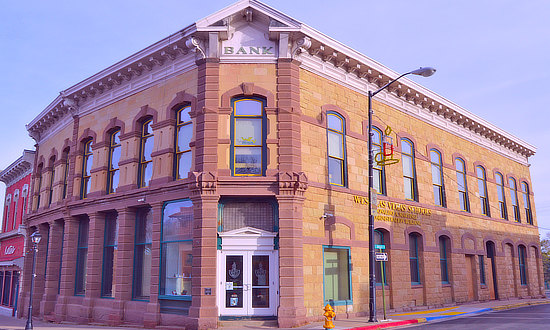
pixel 336 271
pixel 234 274
pixel 335 173
pixel 377 182
pixel 376 138
pixel 147 128
pixel 184 115
pixel 144 226
pixel 335 123
pixel 434 157
pixel 115 178
pixel 407 166
pixel 147 148
pixel 248 161
pixel 481 187
pixel 436 175
pixel 462 201
pixel 437 195
pixel 335 145
pixel 108 265
pixel 498 178
pixel 260 270
pixel 480 172
pixel 408 187
pixel 147 172
pixel 177 221
pixel 406 147
pixel 459 165
pixel 184 164
pixel 248 131
pixel 185 133
pixel 88 165
pixel 177 260
pixel 115 157
pixel 248 108
pixel 460 181
pixel 7 282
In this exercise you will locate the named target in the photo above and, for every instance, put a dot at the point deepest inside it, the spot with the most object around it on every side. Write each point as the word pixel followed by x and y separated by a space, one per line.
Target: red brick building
pixel 17 178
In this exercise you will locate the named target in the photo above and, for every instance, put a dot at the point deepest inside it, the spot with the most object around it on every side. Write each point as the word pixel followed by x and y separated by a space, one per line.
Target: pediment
pixel 247 232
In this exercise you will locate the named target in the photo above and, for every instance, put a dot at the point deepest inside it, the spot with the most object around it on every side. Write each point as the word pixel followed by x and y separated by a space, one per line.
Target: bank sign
pixel 249 42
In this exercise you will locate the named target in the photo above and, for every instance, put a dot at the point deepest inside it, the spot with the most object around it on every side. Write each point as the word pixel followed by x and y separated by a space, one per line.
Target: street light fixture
pixel 425 72
pixel 35 238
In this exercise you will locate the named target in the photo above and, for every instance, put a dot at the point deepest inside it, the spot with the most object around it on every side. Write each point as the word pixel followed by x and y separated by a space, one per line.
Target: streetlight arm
pixel 391 82
pixel 425 72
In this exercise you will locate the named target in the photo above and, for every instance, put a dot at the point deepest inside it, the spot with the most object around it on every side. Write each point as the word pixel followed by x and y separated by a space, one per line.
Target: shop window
pixel 65 172
pixel 437 178
pixel 1 286
pixel 87 160
pixel 482 189
pixel 6 290
pixel 142 254
pixel 336 149
pixel 522 265
pixel 514 199
pixel 414 260
pixel 501 196
pixel 145 170
pixel 443 261
pixel 52 178
pixel 248 140
pixel 380 266
pixel 184 134
pixel 110 243
pixel 61 259
pixel 14 282
pixel 82 256
pixel 337 275
pixel 527 202
pixel 379 172
pixel 259 214
pixel 113 177
pixel 481 270
pixel 462 185
pixel 409 171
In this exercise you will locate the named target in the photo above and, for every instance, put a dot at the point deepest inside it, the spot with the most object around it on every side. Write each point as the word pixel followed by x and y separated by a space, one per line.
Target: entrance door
pixel 470 276
pixel 249 284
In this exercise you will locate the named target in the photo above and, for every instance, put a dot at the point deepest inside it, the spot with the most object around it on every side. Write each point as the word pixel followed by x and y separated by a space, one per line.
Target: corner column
pixel 51 286
pixel 152 314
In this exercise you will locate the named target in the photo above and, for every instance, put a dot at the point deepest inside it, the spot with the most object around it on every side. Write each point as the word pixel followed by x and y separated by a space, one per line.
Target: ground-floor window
pixel 337 276
pixel 82 256
pixel 414 261
pixel 8 287
pixel 522 266
pixel 110 243
pixel 142 254
pixel 481 270
pixel 380 271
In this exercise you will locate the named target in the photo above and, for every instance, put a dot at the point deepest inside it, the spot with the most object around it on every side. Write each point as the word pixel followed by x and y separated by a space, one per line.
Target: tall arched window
pixel 522 265
pixel 184 134
pixel 443 258
pixel 65 172
pixel 39 170
pixel 114 158
pixel 409 172
pixel 527 202
pixel 501 196
pixel 437 178
pixel 514 199
pixel 87 161
pixel 414 259
pixel 145 171
pixel 52 178
pixel 379 172
pixel 482 188
pixel 249 128
pixel 336 149
pixel 380 266
pixel 462 185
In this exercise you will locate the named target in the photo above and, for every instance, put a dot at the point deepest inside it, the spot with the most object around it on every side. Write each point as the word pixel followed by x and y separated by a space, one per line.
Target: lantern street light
pixel 425 72
pixel 35 238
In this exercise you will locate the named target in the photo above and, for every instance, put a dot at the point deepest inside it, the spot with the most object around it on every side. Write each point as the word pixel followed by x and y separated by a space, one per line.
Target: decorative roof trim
pixel 18 169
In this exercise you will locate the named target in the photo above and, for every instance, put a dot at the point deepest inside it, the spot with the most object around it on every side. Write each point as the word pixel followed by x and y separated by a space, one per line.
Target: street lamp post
pixel 35 237
pixel 425 72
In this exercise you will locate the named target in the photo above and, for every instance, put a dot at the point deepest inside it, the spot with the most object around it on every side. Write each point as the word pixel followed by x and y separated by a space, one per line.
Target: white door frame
pixel 248 242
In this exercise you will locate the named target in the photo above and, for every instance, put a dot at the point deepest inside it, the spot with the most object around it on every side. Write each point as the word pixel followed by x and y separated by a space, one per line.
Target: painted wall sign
pixel 9 250
pixel 395 212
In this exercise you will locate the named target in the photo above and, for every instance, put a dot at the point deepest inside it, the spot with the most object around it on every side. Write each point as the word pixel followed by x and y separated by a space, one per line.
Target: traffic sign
pixel 380 246
pixel 381 256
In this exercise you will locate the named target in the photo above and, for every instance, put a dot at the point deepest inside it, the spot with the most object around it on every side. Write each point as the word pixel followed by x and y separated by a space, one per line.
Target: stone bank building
pixel 222 172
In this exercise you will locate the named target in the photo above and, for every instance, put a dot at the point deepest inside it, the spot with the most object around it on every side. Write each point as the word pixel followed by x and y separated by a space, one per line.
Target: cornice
pixel 18 169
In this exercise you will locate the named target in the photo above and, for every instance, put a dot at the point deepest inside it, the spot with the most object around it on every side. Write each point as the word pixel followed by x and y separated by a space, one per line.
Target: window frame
pixel 443 259
pixel 342 133
pixel 111 172
pixel 141 219
pixel 514 198
pixel 113 218
pixel 179 153
pixel 86 180
pixel 142 162
pixel 413 179
pixel 527 202
pixel 81 274
pixel 416 258
pixel 378 171
pixel 463 196
pixel 52 178
pixel 522 254
pixel 501 195
pixel 349 279
pixel 234 146
pixel 40 170
pixel 439 187
pixel 65 173
pixel 484 200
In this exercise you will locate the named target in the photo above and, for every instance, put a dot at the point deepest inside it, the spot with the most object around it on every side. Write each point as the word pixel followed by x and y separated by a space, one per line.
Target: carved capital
pixel 203 183
pixel 301 45
pixel 196 45
pixel 292 183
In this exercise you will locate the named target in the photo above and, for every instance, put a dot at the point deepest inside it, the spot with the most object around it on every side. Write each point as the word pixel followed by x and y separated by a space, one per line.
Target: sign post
pixel 382 257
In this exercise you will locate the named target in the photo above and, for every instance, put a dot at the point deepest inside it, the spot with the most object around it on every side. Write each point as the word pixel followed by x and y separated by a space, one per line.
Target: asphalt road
pixel 531 317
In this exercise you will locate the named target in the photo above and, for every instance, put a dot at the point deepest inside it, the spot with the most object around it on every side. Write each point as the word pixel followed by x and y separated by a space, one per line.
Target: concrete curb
pixel 439 317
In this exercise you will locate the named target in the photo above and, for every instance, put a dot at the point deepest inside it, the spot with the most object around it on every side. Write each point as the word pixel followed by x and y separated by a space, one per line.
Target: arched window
pixel 409 172
pixel 437 178
pixel 482 188
pixel 145 171
pixel 380 267
pixel 65 172
pixel 501 196
pixel 15 208
pixel 52 178
pixel 527 202
pixel 336 149
pixel 414 260
pixel 443 258
pixel 39 185
pixel 184 134
pixel 522 265
pixel 249 130
pixel 87 161
pixel 514 199
pixel 114 158
pixel 462 185
pixel 379 172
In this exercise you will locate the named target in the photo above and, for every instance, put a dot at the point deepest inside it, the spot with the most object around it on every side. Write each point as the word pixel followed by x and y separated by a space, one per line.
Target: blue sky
pixel 493 57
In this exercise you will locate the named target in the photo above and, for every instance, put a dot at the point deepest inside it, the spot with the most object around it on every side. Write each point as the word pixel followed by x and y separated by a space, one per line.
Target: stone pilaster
pixel 68 268
pixel 152 314
pixel 94 263
pixel 51 286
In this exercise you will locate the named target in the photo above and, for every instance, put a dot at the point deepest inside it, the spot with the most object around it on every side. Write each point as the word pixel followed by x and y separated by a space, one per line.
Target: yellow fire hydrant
pixel 329 315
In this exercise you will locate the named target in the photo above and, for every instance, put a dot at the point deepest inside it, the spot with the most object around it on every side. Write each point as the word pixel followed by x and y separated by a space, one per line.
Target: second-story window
pixel 184 134
pixel 114 158
pixel 145 172
pixel 514 199
pixel 482 187
pixel 462 185
pixel 379 172
pixel 65 173
pixel 52 178
pixel 248 140
pixel 527 202
pixel 39 186
pixel 437 178
pixel 336 149
pixel 87 161
pixel 501 196
pixel 409 172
